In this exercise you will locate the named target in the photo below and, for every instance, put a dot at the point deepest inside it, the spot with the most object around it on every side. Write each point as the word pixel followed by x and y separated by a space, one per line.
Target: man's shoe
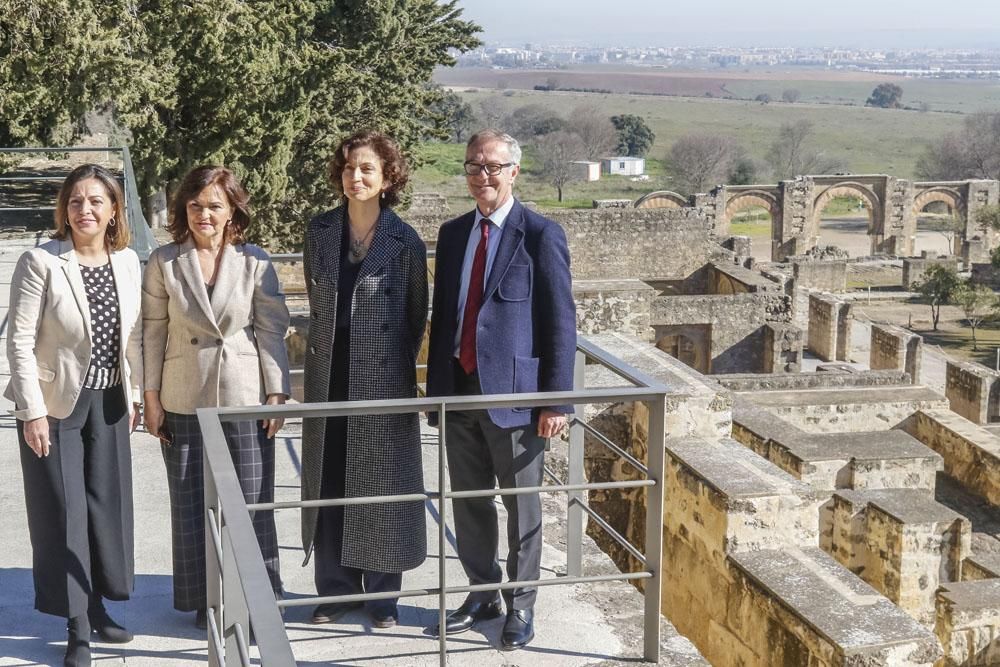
pixel 468 614
pixel 105 626
pixel 518 629
pixel 385 618
pixel 331 611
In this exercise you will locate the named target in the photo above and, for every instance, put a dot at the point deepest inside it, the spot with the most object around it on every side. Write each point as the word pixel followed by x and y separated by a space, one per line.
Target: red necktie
pixel 473 302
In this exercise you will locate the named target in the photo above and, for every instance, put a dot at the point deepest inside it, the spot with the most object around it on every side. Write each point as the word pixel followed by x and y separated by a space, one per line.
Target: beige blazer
pixel 49 339
pixel 225 351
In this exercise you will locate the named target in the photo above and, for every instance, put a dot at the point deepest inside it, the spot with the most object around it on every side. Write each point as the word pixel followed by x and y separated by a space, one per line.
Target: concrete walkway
pixel 575 625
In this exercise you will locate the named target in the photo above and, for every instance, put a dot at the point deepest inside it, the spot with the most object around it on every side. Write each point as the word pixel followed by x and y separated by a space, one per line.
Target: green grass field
pixel 867 140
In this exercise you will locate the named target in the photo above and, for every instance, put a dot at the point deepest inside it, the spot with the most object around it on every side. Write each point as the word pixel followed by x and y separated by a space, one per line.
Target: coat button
pixel 312 350
pixel 218 341
pixel 312 281
pixel 194 341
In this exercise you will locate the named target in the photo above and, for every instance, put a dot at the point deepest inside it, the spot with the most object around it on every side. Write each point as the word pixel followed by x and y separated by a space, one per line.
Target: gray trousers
pixel 480 456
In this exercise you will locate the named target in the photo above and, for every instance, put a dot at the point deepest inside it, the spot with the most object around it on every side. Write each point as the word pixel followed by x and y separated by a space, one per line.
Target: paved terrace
pixel 600 624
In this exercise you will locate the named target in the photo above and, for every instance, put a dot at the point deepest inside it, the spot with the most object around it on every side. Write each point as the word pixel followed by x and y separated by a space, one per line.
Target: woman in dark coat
pixel 366 273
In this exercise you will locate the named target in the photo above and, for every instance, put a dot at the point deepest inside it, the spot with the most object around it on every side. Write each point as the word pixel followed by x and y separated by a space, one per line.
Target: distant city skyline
pixel 848 23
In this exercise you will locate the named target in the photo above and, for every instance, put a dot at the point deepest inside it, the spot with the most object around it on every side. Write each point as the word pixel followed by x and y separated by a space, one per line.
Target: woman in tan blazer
pixel 214 323
pixel 75 362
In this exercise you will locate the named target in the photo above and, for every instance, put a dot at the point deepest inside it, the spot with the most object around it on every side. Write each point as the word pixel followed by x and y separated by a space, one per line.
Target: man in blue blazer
pixel 504 321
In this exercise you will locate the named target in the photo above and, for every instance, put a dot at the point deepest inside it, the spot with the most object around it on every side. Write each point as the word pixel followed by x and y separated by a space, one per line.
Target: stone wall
pixel 968 623
pixel 894 348
pixel 973 391
pixel 732 324
pixel 914 268
pixel 829 336
pixel 782 348
pixel 621 306
pixel 826 275
pixel 622 243
pixel 983 273
pixel 798 381
pixel 726 278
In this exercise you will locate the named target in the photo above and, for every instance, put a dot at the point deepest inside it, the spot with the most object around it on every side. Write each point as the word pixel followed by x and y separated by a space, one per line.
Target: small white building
pixel 585 170
pixel 627 166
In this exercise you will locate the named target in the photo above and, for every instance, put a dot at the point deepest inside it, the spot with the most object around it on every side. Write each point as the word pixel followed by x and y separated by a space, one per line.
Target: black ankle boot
pixel 104 625
pixel 78 642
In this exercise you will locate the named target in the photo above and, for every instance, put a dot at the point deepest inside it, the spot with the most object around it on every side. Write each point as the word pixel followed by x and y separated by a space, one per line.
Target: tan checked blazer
pixel 227 351
pixel 49 340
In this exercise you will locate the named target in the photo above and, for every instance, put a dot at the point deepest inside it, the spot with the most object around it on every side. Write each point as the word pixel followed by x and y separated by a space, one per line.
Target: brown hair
pixel 116 236
pixel 197 180
pixel 395 170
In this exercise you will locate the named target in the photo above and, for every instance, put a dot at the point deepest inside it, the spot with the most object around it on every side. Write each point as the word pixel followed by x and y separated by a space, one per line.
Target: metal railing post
pixel 575 461
pixel 213 568
pixel 234 609
pixel 654 528
pixel 442 538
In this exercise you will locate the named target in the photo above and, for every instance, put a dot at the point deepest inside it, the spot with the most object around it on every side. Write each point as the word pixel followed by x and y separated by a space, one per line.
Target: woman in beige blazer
pixel 214 323
pixel 75 363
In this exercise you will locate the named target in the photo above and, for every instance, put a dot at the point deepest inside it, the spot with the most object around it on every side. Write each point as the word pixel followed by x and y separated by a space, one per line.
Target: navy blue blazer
pixel 526 340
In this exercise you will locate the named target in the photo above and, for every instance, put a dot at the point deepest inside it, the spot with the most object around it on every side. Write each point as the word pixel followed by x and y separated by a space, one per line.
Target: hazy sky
pixel 874 23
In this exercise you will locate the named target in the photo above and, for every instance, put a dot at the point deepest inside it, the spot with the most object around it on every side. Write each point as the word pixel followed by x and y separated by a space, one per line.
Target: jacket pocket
pixel 46 374
pixel 516 283
pixel 525 378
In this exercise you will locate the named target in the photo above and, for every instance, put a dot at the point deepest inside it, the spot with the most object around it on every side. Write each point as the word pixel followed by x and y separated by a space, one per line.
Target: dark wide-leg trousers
pixel 253 456
pixel 79 502
pixel 480 456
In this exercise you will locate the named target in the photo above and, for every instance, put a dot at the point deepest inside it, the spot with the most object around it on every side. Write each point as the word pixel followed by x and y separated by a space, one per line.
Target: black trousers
pixel 253 456
pixel 480 456
pixel 79 502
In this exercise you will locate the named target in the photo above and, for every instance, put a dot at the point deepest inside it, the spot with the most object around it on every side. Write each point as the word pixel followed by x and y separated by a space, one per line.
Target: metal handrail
pixel 238 582
pixel 143 242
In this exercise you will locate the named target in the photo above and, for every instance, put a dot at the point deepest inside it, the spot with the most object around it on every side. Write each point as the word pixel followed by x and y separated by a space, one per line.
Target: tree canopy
pixel 266 88
pixel 886 96
pixel 971 152
pixel 634 136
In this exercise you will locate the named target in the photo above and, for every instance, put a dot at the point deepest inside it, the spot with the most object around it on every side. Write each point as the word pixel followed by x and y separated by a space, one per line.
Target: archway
pixel 754 213
pixel 940 221
pixel 661 199
pixel 848 216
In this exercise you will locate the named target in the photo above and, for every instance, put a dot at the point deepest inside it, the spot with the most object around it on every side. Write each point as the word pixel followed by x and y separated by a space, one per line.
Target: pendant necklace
pixel 358 249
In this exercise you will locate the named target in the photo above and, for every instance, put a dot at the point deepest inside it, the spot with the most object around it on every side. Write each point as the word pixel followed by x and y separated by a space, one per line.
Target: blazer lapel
pixel 187 260
pixel 385 244
pixel 226 277
pixel 454 255
pixel 510 239
pixel 71 267
pixel 327 237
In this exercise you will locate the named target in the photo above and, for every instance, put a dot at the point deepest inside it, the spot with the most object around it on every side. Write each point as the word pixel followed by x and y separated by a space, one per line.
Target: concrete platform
pixel 575 625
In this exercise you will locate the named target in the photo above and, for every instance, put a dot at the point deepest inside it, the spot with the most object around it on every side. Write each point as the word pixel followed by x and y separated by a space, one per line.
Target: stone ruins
pixel 831 499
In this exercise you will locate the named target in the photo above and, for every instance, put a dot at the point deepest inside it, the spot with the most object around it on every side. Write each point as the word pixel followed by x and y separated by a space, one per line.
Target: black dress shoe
pixel 468 614
pixel 385 618
pixel 518 629
pixel 331 611
pixel 77 643
pixel 105 626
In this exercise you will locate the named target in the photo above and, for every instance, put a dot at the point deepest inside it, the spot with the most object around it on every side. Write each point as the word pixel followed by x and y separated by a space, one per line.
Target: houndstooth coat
pixel 388 320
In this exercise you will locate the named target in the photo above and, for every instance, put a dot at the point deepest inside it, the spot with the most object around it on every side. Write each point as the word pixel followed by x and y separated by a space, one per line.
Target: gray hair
pixel 493 134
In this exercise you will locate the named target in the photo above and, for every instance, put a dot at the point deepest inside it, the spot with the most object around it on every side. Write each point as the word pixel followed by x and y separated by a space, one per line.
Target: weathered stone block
pixel 968 623
pixel 829 336
pixel 973 391
pixel 894 348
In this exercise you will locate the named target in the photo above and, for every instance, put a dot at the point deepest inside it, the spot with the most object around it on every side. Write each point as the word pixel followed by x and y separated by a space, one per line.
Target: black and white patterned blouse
pixel 105 331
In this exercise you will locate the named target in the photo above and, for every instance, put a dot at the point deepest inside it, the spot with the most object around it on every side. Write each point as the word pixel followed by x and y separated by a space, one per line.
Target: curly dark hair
pixel 197 180
pixel 395 170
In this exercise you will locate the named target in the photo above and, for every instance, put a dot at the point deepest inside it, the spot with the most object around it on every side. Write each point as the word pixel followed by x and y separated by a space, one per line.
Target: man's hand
pixel 550 423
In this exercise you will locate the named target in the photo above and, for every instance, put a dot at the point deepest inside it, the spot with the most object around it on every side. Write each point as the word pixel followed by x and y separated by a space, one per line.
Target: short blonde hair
pixel 118 235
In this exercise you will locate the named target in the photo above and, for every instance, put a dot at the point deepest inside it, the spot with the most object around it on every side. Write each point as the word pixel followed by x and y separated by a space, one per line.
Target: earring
pixel 383 194
pixel 112 222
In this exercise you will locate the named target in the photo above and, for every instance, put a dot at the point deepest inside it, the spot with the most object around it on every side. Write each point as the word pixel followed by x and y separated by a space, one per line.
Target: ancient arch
pixel 848 189
pixel 945 195
pixel 744 199
pixel 661 199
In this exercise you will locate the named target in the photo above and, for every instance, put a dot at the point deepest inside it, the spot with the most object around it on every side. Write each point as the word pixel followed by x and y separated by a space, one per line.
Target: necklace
pixel 358 247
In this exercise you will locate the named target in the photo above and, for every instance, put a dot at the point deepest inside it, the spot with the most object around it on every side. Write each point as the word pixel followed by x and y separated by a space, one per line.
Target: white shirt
pixel 496 229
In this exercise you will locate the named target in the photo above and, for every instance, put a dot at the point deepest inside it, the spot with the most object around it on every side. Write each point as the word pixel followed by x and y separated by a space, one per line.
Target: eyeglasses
pixel 492 168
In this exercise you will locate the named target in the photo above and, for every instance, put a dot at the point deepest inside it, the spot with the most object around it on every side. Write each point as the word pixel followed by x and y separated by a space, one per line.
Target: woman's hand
pixel 133 421
pixel 153 414
pixel 36 434
pixel 273 425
